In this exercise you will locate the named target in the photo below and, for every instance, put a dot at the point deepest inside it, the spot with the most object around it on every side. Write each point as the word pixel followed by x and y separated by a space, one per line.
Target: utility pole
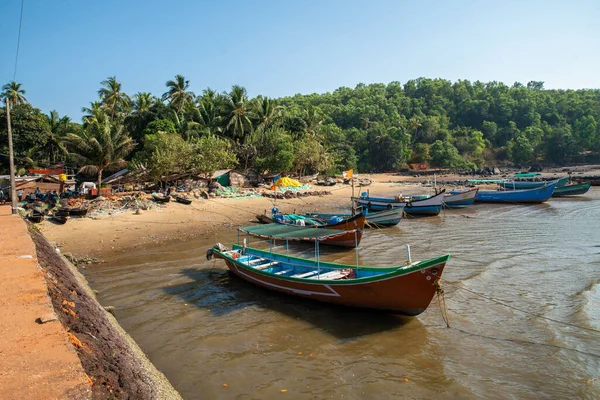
pixel 13 192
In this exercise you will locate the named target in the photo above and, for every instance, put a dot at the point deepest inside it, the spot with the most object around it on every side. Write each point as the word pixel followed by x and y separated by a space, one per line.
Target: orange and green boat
pixel 406 289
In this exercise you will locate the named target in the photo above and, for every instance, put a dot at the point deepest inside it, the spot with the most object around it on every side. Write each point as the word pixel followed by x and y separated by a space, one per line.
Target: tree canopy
pixel 374 128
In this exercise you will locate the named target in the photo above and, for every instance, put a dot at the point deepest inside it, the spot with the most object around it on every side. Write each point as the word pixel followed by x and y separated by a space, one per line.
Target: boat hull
pixel 460 199
pixel 572 190
pixel 538 195
pixel 408 294
pixel 430 206
pixel 385 218
pixel 523 185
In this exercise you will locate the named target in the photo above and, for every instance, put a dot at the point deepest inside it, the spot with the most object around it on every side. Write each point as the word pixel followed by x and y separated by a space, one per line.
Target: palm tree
pixel 414 123
pixel 178 93
pixel 208 112
pixel 142 103
pixel 112 97
pixel 313 120
pixel 14 93
pixel 94 113
pixel 238 116
pixel 98 146
pixel 55 148
pixel 267 113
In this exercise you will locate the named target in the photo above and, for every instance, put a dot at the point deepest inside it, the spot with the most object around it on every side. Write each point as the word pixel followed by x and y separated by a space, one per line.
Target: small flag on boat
pixel 347 174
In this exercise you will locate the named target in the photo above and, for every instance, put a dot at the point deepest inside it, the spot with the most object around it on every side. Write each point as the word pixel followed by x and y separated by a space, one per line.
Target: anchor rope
pixel 503 303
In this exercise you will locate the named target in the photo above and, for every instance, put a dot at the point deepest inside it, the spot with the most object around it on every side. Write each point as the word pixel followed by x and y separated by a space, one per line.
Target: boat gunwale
pixel 391 272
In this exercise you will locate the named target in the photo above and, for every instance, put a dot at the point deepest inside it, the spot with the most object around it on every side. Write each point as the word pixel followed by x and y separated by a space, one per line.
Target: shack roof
pixel 220 172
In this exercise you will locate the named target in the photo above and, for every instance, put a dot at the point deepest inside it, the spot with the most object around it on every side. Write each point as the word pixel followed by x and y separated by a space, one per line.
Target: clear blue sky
pixel 283 47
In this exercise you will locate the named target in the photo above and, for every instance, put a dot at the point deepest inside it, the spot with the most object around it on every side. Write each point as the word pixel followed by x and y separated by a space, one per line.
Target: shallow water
pixel 204 327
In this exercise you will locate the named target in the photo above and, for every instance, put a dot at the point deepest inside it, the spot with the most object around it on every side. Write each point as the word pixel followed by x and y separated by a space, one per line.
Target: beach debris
pixel 74 341
pixel 49 317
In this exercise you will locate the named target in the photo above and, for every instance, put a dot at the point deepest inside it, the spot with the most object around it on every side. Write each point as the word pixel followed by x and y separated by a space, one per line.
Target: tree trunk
pixel 99 180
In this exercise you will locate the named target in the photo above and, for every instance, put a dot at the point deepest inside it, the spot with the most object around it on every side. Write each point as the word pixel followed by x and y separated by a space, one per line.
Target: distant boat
pixel 183 200
pixel 295 233
pixel 59 219
pixel 74 211
pixel 345 223
pixel 537 195
pixel 521 185
pixel 424 206
pixel 572 190
pixel 381 218
pixel 460 199
pixel 406 289
pixel 35 216
pixel 159 197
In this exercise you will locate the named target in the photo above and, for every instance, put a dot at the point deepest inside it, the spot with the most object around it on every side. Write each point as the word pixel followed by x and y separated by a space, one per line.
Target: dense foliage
pixel 373 128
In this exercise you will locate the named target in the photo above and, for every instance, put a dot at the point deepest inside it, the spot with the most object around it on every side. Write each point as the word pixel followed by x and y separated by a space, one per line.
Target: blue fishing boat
pixel 537 195
pixel 415 207
pixel 381 218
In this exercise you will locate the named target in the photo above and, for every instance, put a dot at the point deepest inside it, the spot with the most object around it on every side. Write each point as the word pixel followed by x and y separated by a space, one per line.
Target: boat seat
pixel 255 261
pixel 305 274
pixel 333 275
pixel 283 272
pixel 267 265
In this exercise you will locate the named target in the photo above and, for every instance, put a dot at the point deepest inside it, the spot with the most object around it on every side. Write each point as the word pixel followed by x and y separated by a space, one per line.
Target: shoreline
pixel 102 236
pixel 114 364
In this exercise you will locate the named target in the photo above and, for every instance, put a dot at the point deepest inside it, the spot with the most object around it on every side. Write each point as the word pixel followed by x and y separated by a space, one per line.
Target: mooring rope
pixel 502 303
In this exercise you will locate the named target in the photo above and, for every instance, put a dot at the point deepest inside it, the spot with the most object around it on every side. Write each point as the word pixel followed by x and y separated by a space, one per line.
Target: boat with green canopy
pixel 295 233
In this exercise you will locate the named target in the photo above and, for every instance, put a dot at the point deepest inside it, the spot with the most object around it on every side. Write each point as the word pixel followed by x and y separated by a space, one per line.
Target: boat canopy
pixel 527 175
pixel 486 180
pixel 292 232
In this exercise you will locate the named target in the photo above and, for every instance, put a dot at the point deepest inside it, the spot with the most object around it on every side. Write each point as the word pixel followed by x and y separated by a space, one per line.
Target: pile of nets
pixel 234 192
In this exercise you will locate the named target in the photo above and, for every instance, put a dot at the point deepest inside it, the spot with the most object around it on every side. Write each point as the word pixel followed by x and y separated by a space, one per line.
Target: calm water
pixel 204 328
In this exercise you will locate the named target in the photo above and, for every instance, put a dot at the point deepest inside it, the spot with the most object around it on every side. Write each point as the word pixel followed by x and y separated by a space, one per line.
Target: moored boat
pixel 412 206
pixel 59 219
pixel 521 185
pixel 406 289
pixel 537 195
pixel 572 190
pixel 341 223
pixel 161 198
pixel 35 216
pixel 183 200
pixel 381 218
pixel 73 211
pixel 460 199
pixel 295 233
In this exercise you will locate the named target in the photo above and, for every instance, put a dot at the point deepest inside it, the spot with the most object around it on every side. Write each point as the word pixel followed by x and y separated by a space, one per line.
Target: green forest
pixel 370 128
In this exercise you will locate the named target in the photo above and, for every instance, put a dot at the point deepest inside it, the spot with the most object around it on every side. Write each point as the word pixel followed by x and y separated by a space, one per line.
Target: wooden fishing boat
pixel 572 190
pixel 412 206
pixel 345 223
pixel 59 219
pixel 183 200
pixel 158 197
pixel 460 199
pixel 62 212
pixel 406 289
pixel 384 218
pixel 521 185
pixel 35 216
pixel 537 195
pixel 74 211
pixel 295 233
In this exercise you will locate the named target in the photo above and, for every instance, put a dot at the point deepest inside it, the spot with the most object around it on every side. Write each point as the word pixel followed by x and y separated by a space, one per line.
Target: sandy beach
pixel 103 235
